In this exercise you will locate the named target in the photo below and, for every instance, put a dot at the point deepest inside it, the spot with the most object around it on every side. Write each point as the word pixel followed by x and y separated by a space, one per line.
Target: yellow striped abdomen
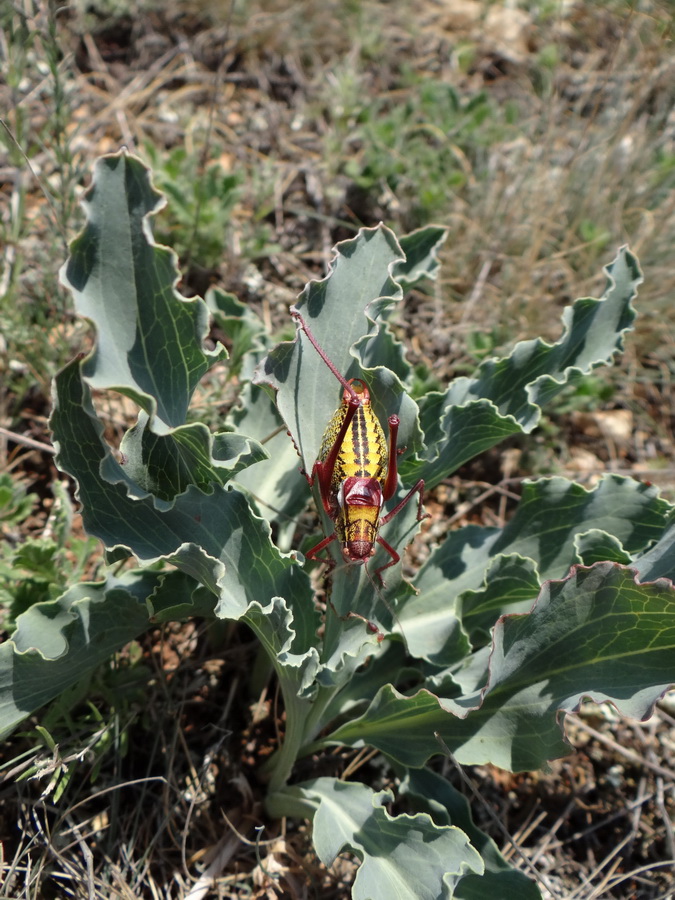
pixel 363 453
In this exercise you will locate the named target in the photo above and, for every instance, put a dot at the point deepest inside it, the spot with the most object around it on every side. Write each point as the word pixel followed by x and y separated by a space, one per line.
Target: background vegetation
pixel 543 135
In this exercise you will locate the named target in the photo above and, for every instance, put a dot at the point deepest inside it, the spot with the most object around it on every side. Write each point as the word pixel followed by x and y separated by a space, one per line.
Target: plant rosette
pixel 503 629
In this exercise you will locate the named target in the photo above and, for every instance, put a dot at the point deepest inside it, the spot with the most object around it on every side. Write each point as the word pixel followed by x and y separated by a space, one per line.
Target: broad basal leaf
pixel 511 583
pixel 149 339
pixel 401 856
pixel 547 530
pixel 58 642
pixel 597 633
pixel 507 394
pixel 168 464
pixel 448 806
pixel 288 640
pixel 212 536
pixel 276 485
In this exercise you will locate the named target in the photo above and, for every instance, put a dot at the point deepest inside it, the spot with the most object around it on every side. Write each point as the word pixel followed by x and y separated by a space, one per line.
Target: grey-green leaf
pixel 277 486
pixel 507 394
pixel 212 536
pixel 401 856
pixel 59 641
pixel 435 794
pixel 597 633
pixel 551 516
pixel 149 338
pixel 167 464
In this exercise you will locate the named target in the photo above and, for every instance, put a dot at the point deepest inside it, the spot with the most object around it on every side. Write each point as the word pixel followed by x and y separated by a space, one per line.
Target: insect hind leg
pixel 418 488
pixel 421 515
pixel 395 557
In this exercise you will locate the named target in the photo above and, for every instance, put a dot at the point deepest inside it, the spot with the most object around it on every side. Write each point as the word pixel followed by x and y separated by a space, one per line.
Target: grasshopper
pixel 357 472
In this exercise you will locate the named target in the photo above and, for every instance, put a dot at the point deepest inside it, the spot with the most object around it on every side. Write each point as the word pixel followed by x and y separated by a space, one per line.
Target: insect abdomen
pixel 363 453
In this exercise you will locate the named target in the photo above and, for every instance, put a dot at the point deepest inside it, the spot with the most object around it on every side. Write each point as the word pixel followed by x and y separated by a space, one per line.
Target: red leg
pixel 389 488
pixel 313 553
pixel 392 562
pixel 324 470
pixel 370 625
pixel 419 488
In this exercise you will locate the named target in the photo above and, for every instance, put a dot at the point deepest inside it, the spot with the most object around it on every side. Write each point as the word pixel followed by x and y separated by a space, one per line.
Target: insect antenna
pixel 380 595
pixel 295 314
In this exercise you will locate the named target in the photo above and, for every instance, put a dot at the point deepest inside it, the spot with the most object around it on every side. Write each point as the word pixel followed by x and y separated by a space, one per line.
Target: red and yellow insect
pixel 357 472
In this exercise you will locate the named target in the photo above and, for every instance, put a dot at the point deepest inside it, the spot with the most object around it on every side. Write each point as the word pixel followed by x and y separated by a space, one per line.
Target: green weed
pixel 36 569
pixel 198 219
